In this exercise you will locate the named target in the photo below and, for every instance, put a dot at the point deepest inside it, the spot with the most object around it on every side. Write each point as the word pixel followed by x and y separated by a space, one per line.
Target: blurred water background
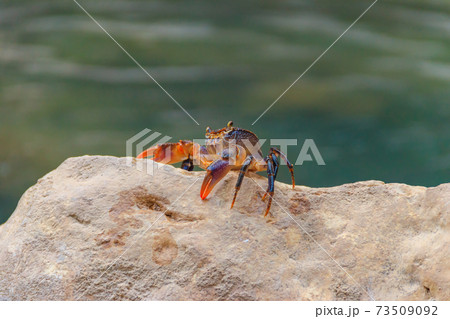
pixel 377 104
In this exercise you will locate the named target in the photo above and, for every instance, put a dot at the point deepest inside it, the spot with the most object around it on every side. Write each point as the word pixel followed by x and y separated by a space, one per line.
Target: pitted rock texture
pixel 98 229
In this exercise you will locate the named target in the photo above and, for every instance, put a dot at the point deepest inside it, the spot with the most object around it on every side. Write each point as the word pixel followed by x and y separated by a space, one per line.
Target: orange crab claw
pixel 147 153
pixel 214 173
pixel 168 153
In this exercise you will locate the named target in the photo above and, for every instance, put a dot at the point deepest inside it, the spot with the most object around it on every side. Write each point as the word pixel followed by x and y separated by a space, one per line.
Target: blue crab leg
pixel 242 172
pixel 272 167
pixel 275 161
pixel 188 164
pixel 289 165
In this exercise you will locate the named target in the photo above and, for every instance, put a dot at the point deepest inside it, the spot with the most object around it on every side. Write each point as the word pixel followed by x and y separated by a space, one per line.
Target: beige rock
pixel 98 229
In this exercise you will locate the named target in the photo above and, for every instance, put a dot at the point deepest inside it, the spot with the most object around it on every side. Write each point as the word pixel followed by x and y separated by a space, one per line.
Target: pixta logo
pixel 138 143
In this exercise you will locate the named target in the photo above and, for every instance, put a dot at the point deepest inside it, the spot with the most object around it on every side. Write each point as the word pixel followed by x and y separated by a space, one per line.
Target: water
pixel 376 105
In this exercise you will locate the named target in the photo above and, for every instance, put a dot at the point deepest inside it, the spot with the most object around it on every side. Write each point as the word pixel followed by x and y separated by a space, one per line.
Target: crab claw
pixel 214 173
pixel 168 153
pixel 147 152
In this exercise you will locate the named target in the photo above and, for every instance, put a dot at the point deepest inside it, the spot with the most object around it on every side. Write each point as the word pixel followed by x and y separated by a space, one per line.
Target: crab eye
pixel 230 124
pixel 208 130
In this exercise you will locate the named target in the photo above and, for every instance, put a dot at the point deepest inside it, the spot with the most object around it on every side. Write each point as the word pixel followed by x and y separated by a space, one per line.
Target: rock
pixel 97 229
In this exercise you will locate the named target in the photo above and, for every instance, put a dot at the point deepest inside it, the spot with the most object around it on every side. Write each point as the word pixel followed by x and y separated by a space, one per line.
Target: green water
pixel 377 104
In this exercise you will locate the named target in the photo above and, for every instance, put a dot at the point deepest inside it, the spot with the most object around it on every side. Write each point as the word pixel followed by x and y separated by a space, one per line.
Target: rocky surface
pixel 98 229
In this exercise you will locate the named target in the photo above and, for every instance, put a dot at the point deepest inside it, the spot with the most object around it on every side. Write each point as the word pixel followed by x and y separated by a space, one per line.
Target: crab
pixel 226 149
